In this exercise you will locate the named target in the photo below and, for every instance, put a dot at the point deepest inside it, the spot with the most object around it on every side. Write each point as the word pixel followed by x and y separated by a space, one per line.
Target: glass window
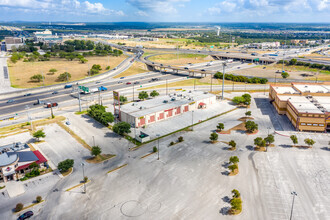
pixel 302 123
pixel 322 125
pixel 309 124
pixel 315 124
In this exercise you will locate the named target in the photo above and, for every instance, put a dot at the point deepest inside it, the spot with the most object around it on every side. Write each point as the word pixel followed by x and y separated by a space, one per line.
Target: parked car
pixel 27 94
pixel 25 215
pixel 67 86
pixel 128 83
pixel 55 92
pixel 10 101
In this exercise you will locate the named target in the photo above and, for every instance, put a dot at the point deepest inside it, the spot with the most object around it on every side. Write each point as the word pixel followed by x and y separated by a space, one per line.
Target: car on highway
pixel 67 86
pixel 97 82
pixel 11 100
pixel 102 88
pixel 136 82
pixel 189 63
pixel 55 92
pixel 161 64
pixel 49 105
pixel 115 68
pixel 25 215
pixel 153 62
pixel 122 77
pixel 120 82
pixel 27 94
pixel 203 70
pixel 264 67
pixel 186 68
pixel 128 83
pixel 238 67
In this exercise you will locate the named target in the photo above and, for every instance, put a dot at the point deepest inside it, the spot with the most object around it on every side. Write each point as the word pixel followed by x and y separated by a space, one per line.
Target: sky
pixel 304 11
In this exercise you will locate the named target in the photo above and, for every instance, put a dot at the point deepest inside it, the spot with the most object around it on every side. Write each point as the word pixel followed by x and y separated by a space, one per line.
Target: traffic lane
pixel 72 96
pixel 42 95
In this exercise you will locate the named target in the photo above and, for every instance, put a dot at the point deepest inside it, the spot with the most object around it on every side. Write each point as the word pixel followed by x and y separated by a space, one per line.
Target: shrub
pixel 232 143
pixel 172 143
pixel 233 160
pixel 121 128
pixel 143 95
pixel 36 78
pixel 154 93
pixel 233 167
pixel 236 204
pixel 39 199
pixel 235 193
pixel 19 207
pixel 285 75
pixel 309 142
pixel 220 126
pixel 96 150
pixel 154 149
pixel 180 139
pixel 214 137
pixel 85 179
pixel 259 142
pixel 64 76
pixel 248 113
pixel 107 68
pixel 65 165
pixel 39 134
pixel 294 139
pixel 251 126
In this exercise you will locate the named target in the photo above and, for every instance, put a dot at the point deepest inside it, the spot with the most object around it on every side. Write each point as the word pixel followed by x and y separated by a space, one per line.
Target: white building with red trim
pixel 142 113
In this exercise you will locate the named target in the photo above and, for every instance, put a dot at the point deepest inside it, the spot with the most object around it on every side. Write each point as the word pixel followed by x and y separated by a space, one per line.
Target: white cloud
pixel 59 6
pixel 159 6
pixel 141 13
pixel 214 10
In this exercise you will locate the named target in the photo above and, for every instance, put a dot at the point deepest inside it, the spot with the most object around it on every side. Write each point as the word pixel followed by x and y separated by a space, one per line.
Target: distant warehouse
pixel 163 107
pixel 307 105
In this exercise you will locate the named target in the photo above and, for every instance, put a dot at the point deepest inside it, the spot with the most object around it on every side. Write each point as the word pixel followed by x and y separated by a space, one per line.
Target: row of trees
pixel 234 78
pixel 308 141
pixel 99 114
pixel 62 77
pixel 144 95
pixel 295 62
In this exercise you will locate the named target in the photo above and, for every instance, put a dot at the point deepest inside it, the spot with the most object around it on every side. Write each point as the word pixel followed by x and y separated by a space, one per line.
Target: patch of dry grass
pixel 68 172
pixel 136 68
pixel 21 72
pixel 100 158
pixel 180 59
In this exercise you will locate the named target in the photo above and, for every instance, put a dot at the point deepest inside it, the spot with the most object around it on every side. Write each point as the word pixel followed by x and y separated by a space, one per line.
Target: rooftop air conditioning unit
pixel 141 107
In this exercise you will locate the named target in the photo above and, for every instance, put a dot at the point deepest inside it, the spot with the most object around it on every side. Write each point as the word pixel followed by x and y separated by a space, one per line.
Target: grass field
pixel 136 68
pixel 172 59
pixel 21 72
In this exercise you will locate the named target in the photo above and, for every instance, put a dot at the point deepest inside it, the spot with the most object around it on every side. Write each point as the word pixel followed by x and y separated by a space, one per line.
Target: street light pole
pixel 93 140
pixel 211 82
pixel 83 166
pixel 294 194
pixel 133 92
pixel 158 135
pixel 192 120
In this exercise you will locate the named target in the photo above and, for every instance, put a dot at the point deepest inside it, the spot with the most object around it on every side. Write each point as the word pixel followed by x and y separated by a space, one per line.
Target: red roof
pixel 41 159
pixel 202 103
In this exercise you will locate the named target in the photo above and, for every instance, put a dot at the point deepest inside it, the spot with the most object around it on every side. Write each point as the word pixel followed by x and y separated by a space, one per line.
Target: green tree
pixel 294 139
pixel 309 142
pixel 259 142
pixel 234 160
pixel 65 165
pixel 36 78
pixel 220 127
pixel 293 62
pixel 33 165
pixel 251 126
pixel 38 199
pixel 122 99
pixel 64 76
pixel 232 143
pixel 248 113
pixel 52 71
pixel 233 167
pixel 83 60
pixel 235 193
pixel 285 75
pixel 154 93
pixel 106 118
pixel 143 95
pixel 97 67
pixel 214 137
pixel 19 207
pixel 107 68
pixel 122 127
pixel 270 139
pixel 236 204
pixel 238 100
pixel 39 134
pixel 154 149
pixel 96 150
pixel 247 98
pixel 93 71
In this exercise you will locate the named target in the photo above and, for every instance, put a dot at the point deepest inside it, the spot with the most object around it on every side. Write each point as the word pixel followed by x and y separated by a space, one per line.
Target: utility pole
pixel 79 100
pixel 294 194
pixel 99 97
pixel 28 115
pixel 223 79
pixel 133 92
pixel 158 135
pixel 211 82
pixel 93 141
pixel 51 110
pixel 192 120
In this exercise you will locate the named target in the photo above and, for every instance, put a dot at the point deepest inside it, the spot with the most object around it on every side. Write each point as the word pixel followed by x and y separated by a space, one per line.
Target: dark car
pixel 122 78
pixel 186 68
pixel 136 82
pixel 67 86
pixel 203 70
pixel 10 101
pixel 161 64
pixel 27 94
pixel 55 92
pixel 26 215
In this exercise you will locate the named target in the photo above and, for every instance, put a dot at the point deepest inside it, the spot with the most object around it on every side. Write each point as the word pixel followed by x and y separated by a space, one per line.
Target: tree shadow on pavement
pixel 94 123
pixel 224 210
pixel 250 147
pixel 285 146
pixel 325 148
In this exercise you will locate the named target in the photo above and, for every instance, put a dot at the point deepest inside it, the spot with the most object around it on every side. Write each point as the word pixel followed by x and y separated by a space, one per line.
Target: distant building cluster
pixel 111 37
pixel 310 42
pixel 15 161
pixel 11 42
pixel 265 45
pixel 47 37
pixel 306 105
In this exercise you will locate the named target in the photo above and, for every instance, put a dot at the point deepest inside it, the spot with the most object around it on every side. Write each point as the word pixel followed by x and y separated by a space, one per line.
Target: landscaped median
pixel 76 186
pixel 124 165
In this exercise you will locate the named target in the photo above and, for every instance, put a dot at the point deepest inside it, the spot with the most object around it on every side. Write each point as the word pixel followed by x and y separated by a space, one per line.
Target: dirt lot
pixel 172 59
pixel 136 68
pixel 295 72
pixel 21 72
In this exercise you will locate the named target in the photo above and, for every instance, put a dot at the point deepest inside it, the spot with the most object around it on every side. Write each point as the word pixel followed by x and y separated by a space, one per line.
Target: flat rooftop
pixel 312 88
pixel 285 90
pixel 324 101
pixel 139 109
pixel 304 105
